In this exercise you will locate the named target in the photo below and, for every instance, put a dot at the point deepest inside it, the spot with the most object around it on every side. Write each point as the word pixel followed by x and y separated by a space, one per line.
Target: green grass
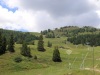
pixel 44 64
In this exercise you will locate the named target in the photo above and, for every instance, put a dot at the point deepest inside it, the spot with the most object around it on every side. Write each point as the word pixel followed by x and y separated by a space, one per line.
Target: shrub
pixel 18 59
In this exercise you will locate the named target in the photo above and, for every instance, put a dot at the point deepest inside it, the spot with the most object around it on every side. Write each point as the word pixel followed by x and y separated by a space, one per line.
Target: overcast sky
pixel 37 15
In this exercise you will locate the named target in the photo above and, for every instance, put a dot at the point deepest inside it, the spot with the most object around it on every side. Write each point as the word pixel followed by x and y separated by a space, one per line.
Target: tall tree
pixel 4 44
pixel 25 50
pixel 41 44
pixel 56 55
pixel 1 50
pixel 11 44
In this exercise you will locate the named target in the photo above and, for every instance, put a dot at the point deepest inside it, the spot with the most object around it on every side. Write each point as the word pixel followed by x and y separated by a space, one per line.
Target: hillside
pixel 72 30
pixel 76 35
pixel 80 62
pixel 19 36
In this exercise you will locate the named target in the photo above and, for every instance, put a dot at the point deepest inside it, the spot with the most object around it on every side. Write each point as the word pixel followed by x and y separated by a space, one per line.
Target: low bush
pixel 18 59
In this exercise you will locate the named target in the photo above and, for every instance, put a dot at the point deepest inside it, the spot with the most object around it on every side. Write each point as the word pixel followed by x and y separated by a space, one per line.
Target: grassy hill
pixel 72 30
pixel 44 64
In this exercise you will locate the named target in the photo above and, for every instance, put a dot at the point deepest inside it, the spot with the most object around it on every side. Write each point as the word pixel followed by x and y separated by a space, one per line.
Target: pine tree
pixel 4 44
pixel 11 44
pixel 41 44
pixel 1 50
pixel 25 50
pixel 56 55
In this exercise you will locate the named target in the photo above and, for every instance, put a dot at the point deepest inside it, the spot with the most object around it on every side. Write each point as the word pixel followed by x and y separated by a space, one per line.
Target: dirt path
pixel 95 69
pixel 90 69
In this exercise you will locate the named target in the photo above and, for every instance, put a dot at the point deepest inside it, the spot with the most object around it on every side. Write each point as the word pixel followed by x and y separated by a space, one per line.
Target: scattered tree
pixel 41 44
pixel 25 51
pixel 56 55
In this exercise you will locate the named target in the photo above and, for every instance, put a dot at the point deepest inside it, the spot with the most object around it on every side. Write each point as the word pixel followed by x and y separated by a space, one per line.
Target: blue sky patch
pixel 9 9
pixel 23 30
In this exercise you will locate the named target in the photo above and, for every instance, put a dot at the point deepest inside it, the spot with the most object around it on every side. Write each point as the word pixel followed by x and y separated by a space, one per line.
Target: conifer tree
pixel 1 50
pixel 41 44
pixel 56 55
pixel 11 44
pixel 25 50
pixel 4 44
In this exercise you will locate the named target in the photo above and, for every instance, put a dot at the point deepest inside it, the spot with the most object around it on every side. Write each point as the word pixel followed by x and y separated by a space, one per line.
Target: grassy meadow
pixel 44 64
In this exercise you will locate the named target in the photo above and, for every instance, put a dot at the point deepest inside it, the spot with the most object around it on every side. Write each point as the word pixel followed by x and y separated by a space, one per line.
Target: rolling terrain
pixel 80 62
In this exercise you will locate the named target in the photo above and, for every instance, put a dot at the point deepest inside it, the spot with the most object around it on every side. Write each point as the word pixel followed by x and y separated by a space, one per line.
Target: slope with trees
pixel 18 36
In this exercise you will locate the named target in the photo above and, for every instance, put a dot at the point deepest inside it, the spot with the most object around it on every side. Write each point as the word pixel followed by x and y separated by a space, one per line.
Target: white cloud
pixel 96 3
pixel 32 16
pixel 21 19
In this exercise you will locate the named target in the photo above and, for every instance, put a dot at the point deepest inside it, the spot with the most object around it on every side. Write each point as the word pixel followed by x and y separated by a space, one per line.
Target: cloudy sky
pixel 37 15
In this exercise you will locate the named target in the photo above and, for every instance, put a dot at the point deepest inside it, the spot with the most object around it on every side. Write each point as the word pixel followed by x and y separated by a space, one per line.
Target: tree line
pixel 48 33
pixel 91 39
pixel 19 36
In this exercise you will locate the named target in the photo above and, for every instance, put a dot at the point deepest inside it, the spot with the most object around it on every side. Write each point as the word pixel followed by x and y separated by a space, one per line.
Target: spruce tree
pixel 11 44
pixel 41 44
pixel 56 55
pixel 25 50
pixel 4 44
pixel 1 50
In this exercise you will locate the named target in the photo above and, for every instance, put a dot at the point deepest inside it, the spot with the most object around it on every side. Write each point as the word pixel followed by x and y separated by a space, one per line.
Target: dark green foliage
pixel 25 51
pixel 1 50
pixel 35 57
pixel 40 46
pixel 92 39
pixel 69 31
pixel 49 44
pixel 56 55
pixel 44 32
pixel 18 36
pixel 18 59
pixel 11 44
pixel 2 44
pixel 50 35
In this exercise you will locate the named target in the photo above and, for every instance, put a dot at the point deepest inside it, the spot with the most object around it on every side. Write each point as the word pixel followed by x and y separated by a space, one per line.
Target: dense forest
pixel 19 36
